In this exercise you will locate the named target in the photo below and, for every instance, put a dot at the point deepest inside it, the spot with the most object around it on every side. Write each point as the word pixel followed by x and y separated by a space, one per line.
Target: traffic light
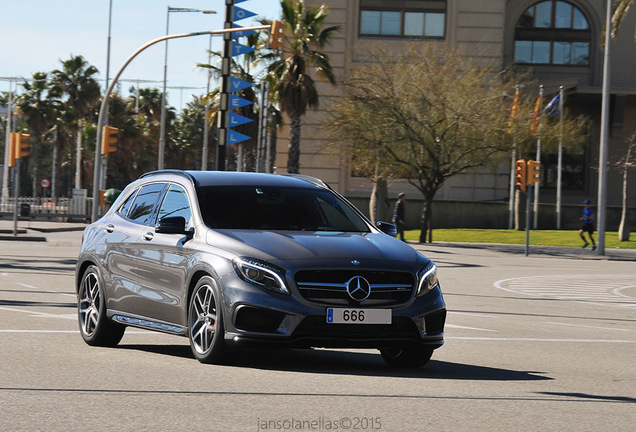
pixel 12 138
pixel 21 145
pixel 109 139
pixel 534 172
pixel 520 175
pixel 275 34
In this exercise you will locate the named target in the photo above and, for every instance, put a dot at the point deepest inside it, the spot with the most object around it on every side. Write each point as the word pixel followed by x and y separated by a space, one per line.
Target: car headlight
pixel 261 273
pixel 427 279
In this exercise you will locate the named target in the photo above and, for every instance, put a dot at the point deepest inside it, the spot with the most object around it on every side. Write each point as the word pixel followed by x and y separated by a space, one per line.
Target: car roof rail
pixel 313 180
pixel 170 171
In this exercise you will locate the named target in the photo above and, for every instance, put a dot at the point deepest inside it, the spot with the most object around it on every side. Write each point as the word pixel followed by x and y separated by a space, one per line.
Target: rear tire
pixel 205 325
pixel 96 329
pixel 409 357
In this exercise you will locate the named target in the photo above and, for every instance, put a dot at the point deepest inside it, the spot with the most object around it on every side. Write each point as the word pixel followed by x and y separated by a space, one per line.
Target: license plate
pixel 358 316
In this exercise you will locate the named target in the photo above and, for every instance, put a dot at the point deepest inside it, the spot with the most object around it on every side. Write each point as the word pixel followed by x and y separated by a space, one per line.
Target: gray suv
pixel 231 259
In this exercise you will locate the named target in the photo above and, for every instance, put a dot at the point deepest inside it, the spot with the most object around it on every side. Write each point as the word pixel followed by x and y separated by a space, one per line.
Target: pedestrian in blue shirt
pixel 588 225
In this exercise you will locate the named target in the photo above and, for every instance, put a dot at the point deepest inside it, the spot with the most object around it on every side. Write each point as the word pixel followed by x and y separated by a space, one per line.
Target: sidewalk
pixel 35 230
pixel 534 250
pixel 38 230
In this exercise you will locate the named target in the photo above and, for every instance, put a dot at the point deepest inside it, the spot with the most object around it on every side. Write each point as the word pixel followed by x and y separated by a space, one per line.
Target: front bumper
pixel 277 320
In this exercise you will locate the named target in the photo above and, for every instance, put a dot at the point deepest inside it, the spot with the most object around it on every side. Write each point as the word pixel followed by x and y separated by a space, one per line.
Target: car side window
pixel 123 210
pixel 175 203
pixel 143 207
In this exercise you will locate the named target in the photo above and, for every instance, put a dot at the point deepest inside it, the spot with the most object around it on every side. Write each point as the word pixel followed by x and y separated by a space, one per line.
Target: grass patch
pixel 538 237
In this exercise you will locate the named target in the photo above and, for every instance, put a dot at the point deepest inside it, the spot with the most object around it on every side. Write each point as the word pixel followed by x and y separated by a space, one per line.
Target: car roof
pixel 231 178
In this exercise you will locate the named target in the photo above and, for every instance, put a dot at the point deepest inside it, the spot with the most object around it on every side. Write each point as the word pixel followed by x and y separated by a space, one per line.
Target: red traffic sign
pixel 45 183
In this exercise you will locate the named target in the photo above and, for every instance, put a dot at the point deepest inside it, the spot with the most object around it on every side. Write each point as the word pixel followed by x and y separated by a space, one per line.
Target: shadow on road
pixel 321 361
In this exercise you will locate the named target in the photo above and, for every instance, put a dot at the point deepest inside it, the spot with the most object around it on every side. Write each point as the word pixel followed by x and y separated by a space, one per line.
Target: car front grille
pixel 329 287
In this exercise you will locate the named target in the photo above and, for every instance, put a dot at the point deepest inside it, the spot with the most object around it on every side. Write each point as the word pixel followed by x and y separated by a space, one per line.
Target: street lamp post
pixel 162 127
pixel 206 125
pixel 604 141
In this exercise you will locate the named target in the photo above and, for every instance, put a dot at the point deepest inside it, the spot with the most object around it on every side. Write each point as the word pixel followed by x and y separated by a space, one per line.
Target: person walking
pixel 588 225
pixel 399 215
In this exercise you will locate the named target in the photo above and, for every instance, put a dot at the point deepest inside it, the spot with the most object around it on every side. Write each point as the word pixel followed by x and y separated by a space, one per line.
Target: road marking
pixel 128 332
pixel 472 314
pixel 606 290
pixel 504 339
pixel 39 331
pixel 40 314
pixel 466 328
pixel 591 327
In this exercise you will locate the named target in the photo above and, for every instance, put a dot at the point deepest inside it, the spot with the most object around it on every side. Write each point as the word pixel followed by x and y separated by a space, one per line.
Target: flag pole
pixel 560 160
pixel 538 159
pixel 511 199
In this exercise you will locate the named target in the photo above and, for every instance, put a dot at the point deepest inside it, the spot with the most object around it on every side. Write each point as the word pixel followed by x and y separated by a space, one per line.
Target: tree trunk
pixel 426 225
pixel 623 228
pixel 517 209
pixel 378 202
pixel 293 158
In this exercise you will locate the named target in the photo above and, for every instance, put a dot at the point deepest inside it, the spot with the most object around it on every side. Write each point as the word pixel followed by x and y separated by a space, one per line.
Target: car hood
pixel 300 245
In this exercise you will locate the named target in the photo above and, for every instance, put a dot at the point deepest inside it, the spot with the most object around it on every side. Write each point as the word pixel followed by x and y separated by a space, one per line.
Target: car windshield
pixel 277 208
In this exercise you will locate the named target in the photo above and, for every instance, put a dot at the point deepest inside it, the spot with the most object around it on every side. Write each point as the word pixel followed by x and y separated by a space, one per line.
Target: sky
pixel 37 34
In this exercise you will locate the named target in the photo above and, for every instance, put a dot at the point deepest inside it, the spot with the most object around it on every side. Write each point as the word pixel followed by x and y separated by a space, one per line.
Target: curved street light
pixel 102 109
pixel 162 127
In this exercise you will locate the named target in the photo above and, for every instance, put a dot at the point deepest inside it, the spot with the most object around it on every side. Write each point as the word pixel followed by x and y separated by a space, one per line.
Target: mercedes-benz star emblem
pixel 358 288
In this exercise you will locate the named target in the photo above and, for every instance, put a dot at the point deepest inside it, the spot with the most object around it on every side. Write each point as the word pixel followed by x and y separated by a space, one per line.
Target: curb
pixel 22 238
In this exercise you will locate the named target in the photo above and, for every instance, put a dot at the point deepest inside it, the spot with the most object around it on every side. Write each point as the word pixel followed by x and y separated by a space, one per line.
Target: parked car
pixel 230 259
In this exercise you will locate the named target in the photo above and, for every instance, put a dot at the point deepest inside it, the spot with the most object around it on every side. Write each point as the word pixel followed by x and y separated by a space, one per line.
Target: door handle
pixel 149 236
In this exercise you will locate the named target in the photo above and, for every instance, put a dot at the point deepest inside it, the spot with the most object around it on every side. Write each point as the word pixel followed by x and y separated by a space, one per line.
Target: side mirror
pixel 387 228
pixel 173 225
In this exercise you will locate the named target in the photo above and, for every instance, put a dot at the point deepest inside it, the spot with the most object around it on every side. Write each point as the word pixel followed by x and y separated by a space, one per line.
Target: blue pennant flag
pixel 238 34
pixel 238 102
pixel 234 137
pixel 238 49
pixel 552 109
pixel 240 13
pixel 239 1
pixel 237 119
pixel 237 84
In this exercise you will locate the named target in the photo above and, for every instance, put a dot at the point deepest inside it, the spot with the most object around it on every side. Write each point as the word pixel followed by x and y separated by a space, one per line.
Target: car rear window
pixel 277 208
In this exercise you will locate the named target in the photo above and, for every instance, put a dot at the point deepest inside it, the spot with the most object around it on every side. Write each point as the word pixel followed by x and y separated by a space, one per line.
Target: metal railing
pixel 46 208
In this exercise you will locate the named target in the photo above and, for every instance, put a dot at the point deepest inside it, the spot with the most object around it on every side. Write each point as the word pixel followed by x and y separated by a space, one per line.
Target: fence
pixel 54 209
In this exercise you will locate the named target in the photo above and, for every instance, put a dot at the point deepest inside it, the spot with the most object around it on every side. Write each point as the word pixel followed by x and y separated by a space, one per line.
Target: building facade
pixel 559 42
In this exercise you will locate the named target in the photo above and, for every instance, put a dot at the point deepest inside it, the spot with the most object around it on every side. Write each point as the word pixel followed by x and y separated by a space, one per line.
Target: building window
pixel 403 18
pixel 553 32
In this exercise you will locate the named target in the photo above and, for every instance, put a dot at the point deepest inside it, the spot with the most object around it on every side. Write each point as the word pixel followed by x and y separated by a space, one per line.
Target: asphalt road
pixel 545 342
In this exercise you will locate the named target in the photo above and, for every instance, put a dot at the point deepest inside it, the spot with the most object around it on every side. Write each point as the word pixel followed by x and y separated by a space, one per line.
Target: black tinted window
pixel 126 205
pixel 276 208
pixel 175 203
pixel 144 203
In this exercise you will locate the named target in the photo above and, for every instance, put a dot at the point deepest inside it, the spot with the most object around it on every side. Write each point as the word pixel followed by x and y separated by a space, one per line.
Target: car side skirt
pixel 146 323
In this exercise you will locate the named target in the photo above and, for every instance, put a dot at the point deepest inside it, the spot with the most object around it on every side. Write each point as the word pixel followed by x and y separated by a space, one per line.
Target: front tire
pixel 410 357
pixel 96 329
pixel 205 325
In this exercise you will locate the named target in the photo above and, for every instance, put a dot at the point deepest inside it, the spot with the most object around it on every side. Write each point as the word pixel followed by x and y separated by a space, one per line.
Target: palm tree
pixel 36 104
pixel 76 80
pixel 290 83
pixel 149 103
pixel 619 12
